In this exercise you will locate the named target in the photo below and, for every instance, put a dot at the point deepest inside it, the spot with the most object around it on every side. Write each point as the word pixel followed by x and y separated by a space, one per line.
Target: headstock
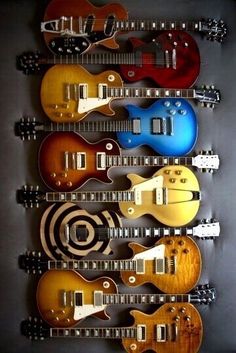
pixel 215 30
pixel 30 196
pixel 208 96
pixel 203 294
pixel 30 63
pixel 33 262
pixel 28 128
pixel 206 161
pixel 208 228
pixel 35 329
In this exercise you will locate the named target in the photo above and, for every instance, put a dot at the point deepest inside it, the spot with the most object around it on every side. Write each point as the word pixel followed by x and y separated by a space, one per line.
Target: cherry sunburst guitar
pixel 69 232
pixel 75 26
pixel 162 331
pixel 172 196
pixel 172 59
pixel 66 161
pixel 173 265
pixel 168 126
pixel 70 92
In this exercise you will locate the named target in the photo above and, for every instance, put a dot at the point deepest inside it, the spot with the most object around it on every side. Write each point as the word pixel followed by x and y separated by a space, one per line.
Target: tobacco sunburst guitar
pixel 173 265
pixel 172 196
pixel 75 26
pixel 68 232
pixel 168 126
pixel 172 328
pixel 66 161
pixel 70 92
pixel 172 59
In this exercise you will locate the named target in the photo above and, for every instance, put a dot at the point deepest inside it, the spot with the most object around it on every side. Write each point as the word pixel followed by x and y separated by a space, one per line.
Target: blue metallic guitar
pixel 169 127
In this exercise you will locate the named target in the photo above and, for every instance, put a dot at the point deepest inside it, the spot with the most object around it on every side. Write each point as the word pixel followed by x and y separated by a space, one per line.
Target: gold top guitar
pixel 172 328
pixel 70 92
pixel 171 195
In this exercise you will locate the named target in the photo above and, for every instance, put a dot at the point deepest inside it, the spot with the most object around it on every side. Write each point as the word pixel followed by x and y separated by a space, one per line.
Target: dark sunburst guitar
pixel 75 26
pixel 66 160
pixel 69 232
pixel 172 59
pixel 173 328
pixel 70 92
pixel 173 265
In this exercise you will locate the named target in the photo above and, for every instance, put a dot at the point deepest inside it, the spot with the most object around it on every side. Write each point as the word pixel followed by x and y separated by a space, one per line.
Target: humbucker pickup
pixel 102 91
pixel 162 126
pixel 101 160
pixel 160 266
pixel 78 298
pixel 161 333
pixel 161 196
pixel 141 333
pixel 98 298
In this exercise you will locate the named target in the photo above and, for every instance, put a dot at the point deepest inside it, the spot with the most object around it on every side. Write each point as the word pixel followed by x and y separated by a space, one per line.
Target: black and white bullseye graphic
pixel 67 232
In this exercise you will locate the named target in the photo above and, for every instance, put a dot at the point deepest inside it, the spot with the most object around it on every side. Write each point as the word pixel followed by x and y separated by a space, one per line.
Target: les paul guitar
pixel 172 59
pixel 67 231
pixel 75 26
pixel 172 196
pixel 173 265
pixel 66 161
pixel 168 126
pixel 70 92
pixel 171 328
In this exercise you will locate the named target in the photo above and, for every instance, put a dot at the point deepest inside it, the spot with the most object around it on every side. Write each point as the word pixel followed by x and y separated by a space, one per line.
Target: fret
pixel 95 332
pixel 142 92
pixel 88 196
pixel 112 299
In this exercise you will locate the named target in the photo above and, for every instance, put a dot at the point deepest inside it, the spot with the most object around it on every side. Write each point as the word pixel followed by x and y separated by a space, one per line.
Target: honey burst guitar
pixel 172 59
pixel 173 265
pixel 172 196
pixel 75 26
pixel 172 328
pixel 70 92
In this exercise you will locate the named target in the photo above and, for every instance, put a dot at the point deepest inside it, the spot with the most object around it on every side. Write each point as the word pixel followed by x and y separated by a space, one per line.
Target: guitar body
pixel 83 8
pixel 187 260
pixel 67 176
pixel 61 96
pixel 181 126
pixel 186 57
pixel 181 208
pixel 189 332
pixel 58 216
pixel 57 286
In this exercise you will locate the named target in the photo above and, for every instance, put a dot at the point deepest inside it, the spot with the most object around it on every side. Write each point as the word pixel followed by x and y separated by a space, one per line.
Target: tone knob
pixel 182 310
pixel 69 183
pixel 182 112
pixel 186 251
pixel 53 175
pixel 58 183
pixel 187 318
pixel 131 73
pixel 171 309
pixel 172 111
pixel 186 44
pixel 181 242
pixel 177 318
pixel 178 172
pixel 167 104
pixel 178 104
pixel 183 180
pixel 175 251
pixel 169 35
pixel 167 171
pixel 170 242
pixel 172 180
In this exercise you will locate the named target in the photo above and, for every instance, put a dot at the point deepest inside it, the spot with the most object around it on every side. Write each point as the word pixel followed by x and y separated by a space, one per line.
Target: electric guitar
pixel 172 59
pixel 67 231
pixel 70 92
pixel 172 196
pixel 74 27
pixel 173 265
pixel 171 328
pixel 66 160
pixel 65 297
pixel 168 126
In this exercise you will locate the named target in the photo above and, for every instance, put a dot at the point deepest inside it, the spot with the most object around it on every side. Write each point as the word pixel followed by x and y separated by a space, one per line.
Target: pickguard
pixel 88 104
pixel 86 310
pixel 157 252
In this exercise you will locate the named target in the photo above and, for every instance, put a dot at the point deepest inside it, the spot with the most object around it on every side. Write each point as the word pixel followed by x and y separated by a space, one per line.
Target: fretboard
pixel 90 196
pixel 148 161
pixel 97 332
pixel 143 92
pixel 156 25
pixel 96 265
pixel 140 232
pixel 109 299
pixel 89 126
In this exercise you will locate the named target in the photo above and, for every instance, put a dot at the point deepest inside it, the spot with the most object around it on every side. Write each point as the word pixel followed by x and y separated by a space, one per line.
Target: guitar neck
pixel 111 299
pixel 95 265
pixel 143 92
pixel 157 25
pixel 95 332
pixel 141 232
pixel 149 161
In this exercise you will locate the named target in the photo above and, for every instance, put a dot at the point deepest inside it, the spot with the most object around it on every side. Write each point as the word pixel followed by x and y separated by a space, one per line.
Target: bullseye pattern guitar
pixel 172 196
pixel 173 265
pixel 171 59
pixel 73 27
pixel 173 328
pixel 68 232
pixel 69 93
